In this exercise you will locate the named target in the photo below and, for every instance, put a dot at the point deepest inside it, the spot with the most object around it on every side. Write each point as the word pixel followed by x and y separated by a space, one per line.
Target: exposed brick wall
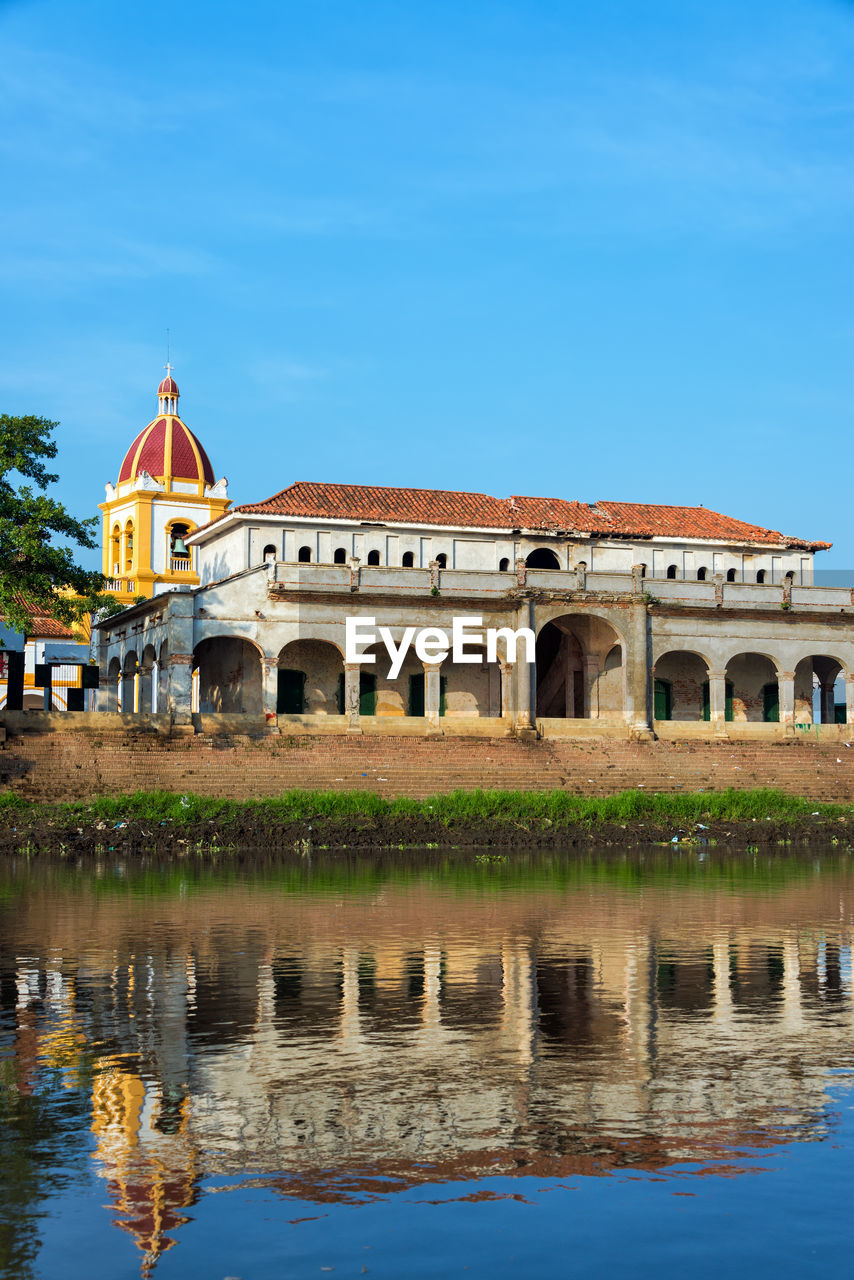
pixel 77 765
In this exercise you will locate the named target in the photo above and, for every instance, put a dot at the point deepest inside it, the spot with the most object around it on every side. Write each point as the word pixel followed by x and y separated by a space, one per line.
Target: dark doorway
pixel 290 695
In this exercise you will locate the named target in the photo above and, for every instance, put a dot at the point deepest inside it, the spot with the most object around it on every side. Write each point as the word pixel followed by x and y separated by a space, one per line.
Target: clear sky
pixel 597 250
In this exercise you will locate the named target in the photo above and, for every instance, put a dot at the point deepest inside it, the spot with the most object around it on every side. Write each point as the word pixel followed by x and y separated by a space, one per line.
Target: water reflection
pixel 338 1032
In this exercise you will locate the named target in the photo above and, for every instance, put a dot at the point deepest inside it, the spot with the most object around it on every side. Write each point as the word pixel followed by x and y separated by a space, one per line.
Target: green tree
pixel 35 566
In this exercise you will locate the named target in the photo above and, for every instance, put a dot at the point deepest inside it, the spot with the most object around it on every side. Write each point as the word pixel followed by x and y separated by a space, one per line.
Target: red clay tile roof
pixel 373 503
pixel 43 626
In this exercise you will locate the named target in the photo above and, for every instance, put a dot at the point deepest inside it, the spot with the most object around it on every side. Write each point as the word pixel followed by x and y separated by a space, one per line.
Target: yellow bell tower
pixel 165 490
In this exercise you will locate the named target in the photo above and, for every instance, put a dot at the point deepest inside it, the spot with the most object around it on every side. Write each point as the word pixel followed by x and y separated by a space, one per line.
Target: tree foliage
pixel 35 565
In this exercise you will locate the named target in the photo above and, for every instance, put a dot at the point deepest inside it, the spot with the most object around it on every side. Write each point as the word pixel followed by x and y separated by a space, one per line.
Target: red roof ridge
pixel 471 509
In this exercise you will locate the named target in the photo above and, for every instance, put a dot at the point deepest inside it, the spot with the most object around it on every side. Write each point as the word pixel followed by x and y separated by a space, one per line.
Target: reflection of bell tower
pixel 146 1155
pixel 165 490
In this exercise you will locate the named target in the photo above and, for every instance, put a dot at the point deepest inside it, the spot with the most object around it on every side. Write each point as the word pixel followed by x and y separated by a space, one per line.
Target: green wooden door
pixel 771 702
pixel 290 695
pixel 367 694
pixel 663 700
pixel 416 695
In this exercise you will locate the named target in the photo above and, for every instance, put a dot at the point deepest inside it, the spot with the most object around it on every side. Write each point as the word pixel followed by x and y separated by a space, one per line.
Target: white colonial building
pixel 670 619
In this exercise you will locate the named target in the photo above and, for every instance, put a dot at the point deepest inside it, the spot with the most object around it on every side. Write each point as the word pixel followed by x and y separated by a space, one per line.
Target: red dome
pixel 167 447
pixel 168 387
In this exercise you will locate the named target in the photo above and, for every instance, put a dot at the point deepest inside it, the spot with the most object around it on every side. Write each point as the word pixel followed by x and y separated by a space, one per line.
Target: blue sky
pixel 593 251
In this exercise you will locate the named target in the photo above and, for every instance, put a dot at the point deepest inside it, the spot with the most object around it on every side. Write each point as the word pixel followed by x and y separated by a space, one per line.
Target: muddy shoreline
pixel 36 835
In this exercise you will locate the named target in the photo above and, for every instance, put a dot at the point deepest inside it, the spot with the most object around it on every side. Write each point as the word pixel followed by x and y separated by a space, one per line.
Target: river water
pixel 428 1066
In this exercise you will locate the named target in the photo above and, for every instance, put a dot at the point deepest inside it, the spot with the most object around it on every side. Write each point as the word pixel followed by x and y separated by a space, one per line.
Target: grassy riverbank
pixel 363 820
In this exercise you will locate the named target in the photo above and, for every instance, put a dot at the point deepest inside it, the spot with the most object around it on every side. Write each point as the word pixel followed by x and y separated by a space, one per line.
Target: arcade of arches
pixel 751 688
pixel 580 674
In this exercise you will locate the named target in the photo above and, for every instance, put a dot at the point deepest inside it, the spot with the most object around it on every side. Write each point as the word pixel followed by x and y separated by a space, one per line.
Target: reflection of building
pixel 422 1035
pixel 673 617
pixel 165 489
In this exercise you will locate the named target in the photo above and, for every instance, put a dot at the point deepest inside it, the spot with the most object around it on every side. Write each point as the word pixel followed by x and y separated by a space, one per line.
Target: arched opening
pixel 730 575
pixel 671 571
pixel 111 693
pixel 760 575
pixel 408 561
pixel 542 558
pixel 373 557
pixel 340 556
pixel 116 550
pixel 310 679
pixel 789 577
pixel 179 552
pixel 820 691
pixel 129 547
pixel 304 555
pixel 146 678
pixel 503 564
pixel 229 679
pixel 270 553
pixel 442 560
pixel 755 694
pixel 680 687
pixel 580 670
pixel 129 671
pixel 702 573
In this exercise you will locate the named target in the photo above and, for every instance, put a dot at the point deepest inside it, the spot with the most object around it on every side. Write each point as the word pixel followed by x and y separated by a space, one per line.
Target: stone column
pixel 591 687
pixel 506 669
pixel 352 696
pixel 637 676
pixel 179 689
pixel 786 695
pixel 525 684
pixel 432 694
pixel 181 640
pixel 270 685
pixel 849 698
pixel 717 702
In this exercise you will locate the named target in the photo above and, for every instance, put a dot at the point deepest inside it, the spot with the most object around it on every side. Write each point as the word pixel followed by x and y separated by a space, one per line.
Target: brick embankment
pixel 76 766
